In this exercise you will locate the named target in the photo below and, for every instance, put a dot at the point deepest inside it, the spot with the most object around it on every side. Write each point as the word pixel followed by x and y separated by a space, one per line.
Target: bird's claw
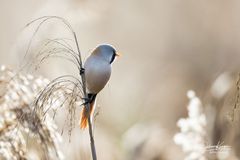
pixel 82 71
pixel 86 101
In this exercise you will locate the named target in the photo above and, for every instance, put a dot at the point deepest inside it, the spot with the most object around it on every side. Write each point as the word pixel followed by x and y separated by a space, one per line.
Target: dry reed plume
pixel 19 125
pixel 70 89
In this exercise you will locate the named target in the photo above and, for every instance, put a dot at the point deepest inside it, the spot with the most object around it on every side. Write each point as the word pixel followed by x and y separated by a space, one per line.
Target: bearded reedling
pixel 97 69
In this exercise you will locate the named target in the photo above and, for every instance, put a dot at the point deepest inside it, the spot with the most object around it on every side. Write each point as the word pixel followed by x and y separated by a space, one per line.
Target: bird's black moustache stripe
pixel 112 58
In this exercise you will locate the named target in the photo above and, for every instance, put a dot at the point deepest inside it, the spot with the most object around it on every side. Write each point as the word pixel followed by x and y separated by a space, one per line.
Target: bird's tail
pixel 84 113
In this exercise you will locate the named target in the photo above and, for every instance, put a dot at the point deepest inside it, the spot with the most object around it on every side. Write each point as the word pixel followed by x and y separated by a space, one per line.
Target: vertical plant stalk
pixel 90 128
pixel 93 149
pixel 236 104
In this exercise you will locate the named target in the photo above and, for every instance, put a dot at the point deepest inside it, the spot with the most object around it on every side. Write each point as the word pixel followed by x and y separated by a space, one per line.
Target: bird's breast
pixel 97 74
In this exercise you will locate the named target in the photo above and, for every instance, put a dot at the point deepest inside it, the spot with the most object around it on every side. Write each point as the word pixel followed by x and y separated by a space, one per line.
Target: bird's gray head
pixel 106 51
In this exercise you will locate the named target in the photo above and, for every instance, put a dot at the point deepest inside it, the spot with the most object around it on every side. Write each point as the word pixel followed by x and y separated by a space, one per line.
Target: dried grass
pixel 19 122
pixel 68 87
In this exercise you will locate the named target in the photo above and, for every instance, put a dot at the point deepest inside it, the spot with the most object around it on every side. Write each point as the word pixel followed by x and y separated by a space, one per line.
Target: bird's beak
pixel 118 54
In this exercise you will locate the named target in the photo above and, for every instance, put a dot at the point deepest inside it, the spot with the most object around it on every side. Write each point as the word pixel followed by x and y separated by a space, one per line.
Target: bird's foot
pixel 82 71
pixel 86 100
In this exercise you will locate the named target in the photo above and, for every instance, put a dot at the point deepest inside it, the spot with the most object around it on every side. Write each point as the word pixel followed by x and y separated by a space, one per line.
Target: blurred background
pixel 167 47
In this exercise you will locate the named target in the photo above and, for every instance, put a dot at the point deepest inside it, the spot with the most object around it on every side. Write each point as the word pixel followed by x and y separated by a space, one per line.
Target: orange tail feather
pixel 84 115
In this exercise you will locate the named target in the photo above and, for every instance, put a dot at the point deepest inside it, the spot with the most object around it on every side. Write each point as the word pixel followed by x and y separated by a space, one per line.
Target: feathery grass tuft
pixel 71 88
pixel 18 122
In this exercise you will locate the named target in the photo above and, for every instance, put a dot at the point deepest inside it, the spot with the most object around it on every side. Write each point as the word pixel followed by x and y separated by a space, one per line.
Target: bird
pixel 97 70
